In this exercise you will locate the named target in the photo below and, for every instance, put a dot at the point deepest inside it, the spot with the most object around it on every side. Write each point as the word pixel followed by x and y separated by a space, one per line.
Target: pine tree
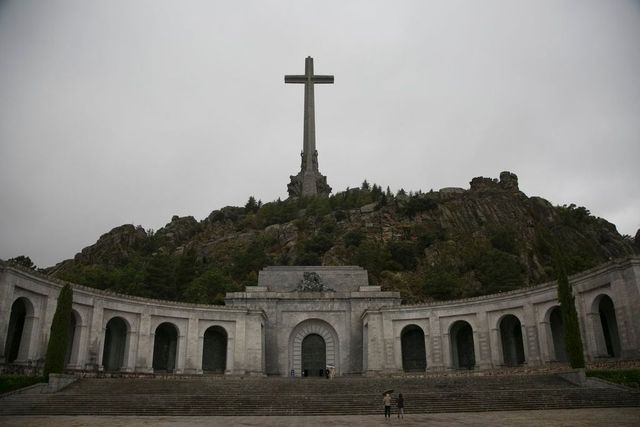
pixel 58 338
pixel 572 338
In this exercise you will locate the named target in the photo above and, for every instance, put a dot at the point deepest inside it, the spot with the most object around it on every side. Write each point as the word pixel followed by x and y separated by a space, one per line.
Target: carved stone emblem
pixel 311 282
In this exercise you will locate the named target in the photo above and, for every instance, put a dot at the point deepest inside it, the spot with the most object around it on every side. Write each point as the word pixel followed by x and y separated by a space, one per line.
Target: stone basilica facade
pixel 299 320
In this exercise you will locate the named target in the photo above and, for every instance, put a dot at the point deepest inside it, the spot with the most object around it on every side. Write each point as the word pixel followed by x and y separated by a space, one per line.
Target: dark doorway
pixel 511 336
pixel 71 333
pixel 414 356
pixel 557 333
pixel 165 347
pixel 16 328
pixel 214 352
pixel 314 355
pixel 464 355
pixel 609 326
pixel 115 341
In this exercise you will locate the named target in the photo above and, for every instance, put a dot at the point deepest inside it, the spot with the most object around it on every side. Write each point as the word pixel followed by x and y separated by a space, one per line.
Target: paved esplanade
pixel 309 181
pixel 593 417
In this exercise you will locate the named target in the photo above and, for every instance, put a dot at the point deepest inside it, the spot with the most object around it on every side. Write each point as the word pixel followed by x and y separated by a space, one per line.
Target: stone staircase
pixel 312 396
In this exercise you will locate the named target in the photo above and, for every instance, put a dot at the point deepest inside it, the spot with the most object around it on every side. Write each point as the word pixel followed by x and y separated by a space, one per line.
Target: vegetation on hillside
pixel 429 246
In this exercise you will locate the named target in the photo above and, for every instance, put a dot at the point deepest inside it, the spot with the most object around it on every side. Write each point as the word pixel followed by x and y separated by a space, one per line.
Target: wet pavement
pixel 564 417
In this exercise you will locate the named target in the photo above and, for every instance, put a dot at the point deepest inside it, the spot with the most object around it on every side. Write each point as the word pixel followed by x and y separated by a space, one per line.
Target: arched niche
pixel 214 351
pixel 165 347
pixel 115 344
pixel 556 326
pixel 19 330
pixel 463 354
pixel 511 339
pixel 603 305
pixel 414 355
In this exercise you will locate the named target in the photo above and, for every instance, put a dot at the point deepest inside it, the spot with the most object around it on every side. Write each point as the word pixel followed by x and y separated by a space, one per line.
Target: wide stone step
pixel 278 396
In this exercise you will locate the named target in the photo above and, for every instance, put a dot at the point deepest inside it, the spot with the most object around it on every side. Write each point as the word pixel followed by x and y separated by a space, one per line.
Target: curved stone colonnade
pixel 126 334
pixel 276 330
pixel 510 329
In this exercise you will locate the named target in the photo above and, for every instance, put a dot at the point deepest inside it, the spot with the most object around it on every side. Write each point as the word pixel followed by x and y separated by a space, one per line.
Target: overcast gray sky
pixel 116 112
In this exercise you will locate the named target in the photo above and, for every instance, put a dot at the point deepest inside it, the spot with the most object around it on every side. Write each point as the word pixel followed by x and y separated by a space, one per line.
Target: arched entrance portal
pixel 511 338
pixel 557 334
pixel 313 346
pixel 414 356
pixel 214 351
pixel 115 342
pixel 462 351
pixel 314 355
pixel 165 345
pixel 15 346
pixel 609 326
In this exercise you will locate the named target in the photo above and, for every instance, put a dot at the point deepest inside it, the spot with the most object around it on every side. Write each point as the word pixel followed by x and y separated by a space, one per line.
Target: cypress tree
pixel 58 338
pixel 572 338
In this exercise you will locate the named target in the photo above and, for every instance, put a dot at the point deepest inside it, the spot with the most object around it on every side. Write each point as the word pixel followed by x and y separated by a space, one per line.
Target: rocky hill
pixel 443 244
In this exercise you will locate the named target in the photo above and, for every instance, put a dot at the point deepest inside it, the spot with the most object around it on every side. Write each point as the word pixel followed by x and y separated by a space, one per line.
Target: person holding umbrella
pixel 386 400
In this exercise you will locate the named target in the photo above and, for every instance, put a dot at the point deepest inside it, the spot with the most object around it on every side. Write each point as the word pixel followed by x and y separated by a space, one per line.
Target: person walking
pixel 400 403
pixel 386 400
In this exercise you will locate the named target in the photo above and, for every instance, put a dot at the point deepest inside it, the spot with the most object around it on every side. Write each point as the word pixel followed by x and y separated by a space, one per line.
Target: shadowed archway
pixel 115 343
pixel 462 351
pixel 214 350
pixel 19 330
pixel 511 338
pixel 556 325
pixel 165 346
pixel 607 313
pixel 414 355
pixel 314 355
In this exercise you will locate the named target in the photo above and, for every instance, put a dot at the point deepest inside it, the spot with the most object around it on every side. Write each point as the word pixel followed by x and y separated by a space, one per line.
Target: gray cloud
pixel 130 112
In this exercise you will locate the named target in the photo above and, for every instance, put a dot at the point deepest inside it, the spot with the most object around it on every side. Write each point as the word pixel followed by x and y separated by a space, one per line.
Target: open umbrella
pixel 387 392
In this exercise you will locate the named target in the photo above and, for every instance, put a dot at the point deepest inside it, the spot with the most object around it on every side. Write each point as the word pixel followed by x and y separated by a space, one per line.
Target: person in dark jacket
pixel 400 403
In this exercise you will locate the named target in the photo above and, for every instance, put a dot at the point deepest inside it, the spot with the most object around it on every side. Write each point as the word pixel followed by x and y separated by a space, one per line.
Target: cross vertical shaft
pixel 309 179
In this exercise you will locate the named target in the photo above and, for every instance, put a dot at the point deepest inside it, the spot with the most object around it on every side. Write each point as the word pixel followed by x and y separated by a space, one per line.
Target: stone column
pixel 482 347
pixel 374 345
pixel 144 362
pixel 192 366
pixel 236 355
pixel 253 344
pixel 96 333
pixel 6 301
pixel 131 350
pixel 435 361
pixel 181 350
pixel 496 348
pixel 531 342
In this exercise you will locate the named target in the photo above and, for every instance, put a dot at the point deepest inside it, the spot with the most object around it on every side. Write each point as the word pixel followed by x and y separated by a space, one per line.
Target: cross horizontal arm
pixel 322 79
pixel 295 79
pixel 314 79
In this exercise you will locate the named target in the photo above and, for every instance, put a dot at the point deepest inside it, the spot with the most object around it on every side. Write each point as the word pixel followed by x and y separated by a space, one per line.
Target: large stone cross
pixel 309 163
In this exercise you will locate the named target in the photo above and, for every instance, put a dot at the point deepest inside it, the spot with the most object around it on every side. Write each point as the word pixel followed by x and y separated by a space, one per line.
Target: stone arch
pixel 115 344
pixel 316 327
pixel 604 307
pixel 511 340
pixel 165 347
pixel 73 334
pixel 414 355
pixel 214 350
pixel 19 330
pixel 463 355
pixel 556 328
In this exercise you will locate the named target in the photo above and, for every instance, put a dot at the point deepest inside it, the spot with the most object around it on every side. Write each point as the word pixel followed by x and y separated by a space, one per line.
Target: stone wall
pixel 363 327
